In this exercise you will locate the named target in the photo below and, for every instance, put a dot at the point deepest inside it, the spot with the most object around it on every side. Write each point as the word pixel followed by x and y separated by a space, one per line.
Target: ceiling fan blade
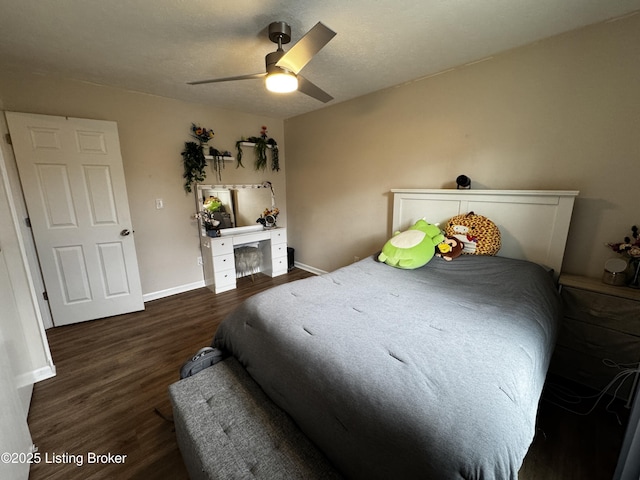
pixel 308 88
pixel 229 79
pixel 303 51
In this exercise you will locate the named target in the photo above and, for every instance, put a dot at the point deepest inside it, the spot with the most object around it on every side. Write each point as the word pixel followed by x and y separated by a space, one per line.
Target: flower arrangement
pixel 271 211
pixel 268 217
pixel 630 247
pixel 201 134
pixel 209 222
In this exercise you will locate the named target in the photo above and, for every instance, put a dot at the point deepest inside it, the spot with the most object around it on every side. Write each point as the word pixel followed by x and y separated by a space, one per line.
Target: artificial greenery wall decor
pixel 194 164
pixel 194 159
pixel 218 161
pixel 261 145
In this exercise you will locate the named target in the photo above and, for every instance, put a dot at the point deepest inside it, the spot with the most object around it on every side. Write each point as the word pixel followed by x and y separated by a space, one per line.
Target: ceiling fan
pixel 283 68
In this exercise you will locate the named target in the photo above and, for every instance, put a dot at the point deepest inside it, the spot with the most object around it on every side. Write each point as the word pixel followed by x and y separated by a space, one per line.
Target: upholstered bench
pixel 227 428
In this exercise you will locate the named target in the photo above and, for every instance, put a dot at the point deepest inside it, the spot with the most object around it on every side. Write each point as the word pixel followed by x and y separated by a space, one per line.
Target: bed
pixel 376 372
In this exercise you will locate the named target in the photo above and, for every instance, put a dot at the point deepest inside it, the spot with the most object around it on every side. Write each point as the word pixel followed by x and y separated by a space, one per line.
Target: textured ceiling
pixel 156 46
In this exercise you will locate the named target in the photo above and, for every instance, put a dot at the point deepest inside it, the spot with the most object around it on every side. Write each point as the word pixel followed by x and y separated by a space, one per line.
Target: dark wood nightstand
pixel 600 322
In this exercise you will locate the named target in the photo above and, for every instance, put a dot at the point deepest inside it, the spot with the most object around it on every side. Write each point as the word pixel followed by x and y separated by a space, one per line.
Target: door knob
pixel 125 232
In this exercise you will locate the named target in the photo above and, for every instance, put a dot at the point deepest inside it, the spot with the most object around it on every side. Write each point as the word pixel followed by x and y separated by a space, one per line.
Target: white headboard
pixel 533 224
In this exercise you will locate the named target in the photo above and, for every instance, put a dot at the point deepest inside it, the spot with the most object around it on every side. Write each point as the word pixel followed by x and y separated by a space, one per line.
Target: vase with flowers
pixel 269 217
pixel 630 248
pixel 203 135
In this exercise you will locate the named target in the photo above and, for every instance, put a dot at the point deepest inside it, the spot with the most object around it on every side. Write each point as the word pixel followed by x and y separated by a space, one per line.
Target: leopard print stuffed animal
pixel 479 235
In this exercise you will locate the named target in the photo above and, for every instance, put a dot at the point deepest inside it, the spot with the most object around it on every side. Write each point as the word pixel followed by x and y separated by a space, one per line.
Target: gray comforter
pixel 433 373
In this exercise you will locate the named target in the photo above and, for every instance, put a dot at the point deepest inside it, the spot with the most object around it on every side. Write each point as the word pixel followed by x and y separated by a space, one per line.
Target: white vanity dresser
pixel 218 254
pixel 246 247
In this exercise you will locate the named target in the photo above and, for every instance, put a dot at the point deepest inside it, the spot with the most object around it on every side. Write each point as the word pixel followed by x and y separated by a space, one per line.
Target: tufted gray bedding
pixel 433 373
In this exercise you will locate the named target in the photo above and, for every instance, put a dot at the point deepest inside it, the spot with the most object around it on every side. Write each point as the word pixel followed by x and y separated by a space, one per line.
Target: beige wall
pixel 152 135
pixel 559 114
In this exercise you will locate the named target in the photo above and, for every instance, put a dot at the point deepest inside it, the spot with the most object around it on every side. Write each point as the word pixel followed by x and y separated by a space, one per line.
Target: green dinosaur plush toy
pixel 412 248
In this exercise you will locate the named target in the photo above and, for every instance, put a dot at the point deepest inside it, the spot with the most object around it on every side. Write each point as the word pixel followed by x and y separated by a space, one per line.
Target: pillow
pixel 479 235
pixel 412 248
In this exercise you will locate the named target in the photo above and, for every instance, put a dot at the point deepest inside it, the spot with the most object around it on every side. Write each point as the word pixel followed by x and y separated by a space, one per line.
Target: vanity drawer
pixel 224 278
pixel 221 246
pixel 247 238
pixel 278 250
pixel 224 262
pixel 279 235
pixel 279 266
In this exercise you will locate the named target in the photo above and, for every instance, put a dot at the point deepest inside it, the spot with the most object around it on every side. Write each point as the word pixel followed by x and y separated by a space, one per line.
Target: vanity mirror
pixel 243 203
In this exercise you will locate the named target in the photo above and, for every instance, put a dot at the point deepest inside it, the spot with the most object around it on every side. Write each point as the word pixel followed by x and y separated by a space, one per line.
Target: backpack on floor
pixel 205 357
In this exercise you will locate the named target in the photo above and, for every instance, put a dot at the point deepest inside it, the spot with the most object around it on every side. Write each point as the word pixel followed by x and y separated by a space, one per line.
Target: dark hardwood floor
pixel 112 375
pixel 569 446
pixel 112 379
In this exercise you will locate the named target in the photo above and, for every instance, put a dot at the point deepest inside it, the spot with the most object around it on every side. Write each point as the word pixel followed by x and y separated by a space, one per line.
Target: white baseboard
pixel 147 297
pixel 309 268
pixel 35 376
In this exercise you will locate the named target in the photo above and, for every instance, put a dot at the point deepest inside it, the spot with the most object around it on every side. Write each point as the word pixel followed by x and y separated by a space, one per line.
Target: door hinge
pixel 45 296
pixel 27 221
pixel 7 137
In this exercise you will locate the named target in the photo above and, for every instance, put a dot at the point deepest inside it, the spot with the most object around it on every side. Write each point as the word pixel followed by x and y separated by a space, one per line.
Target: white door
pixel 73 180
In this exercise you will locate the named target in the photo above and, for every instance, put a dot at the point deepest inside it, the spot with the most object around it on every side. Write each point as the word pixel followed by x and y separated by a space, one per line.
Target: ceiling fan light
pixel 281 82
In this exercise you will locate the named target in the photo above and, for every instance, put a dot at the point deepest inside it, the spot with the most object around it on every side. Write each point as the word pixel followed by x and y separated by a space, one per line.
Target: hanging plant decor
pixel 218 161
pixel 194 157
pixel 261 145
pixel 194 164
